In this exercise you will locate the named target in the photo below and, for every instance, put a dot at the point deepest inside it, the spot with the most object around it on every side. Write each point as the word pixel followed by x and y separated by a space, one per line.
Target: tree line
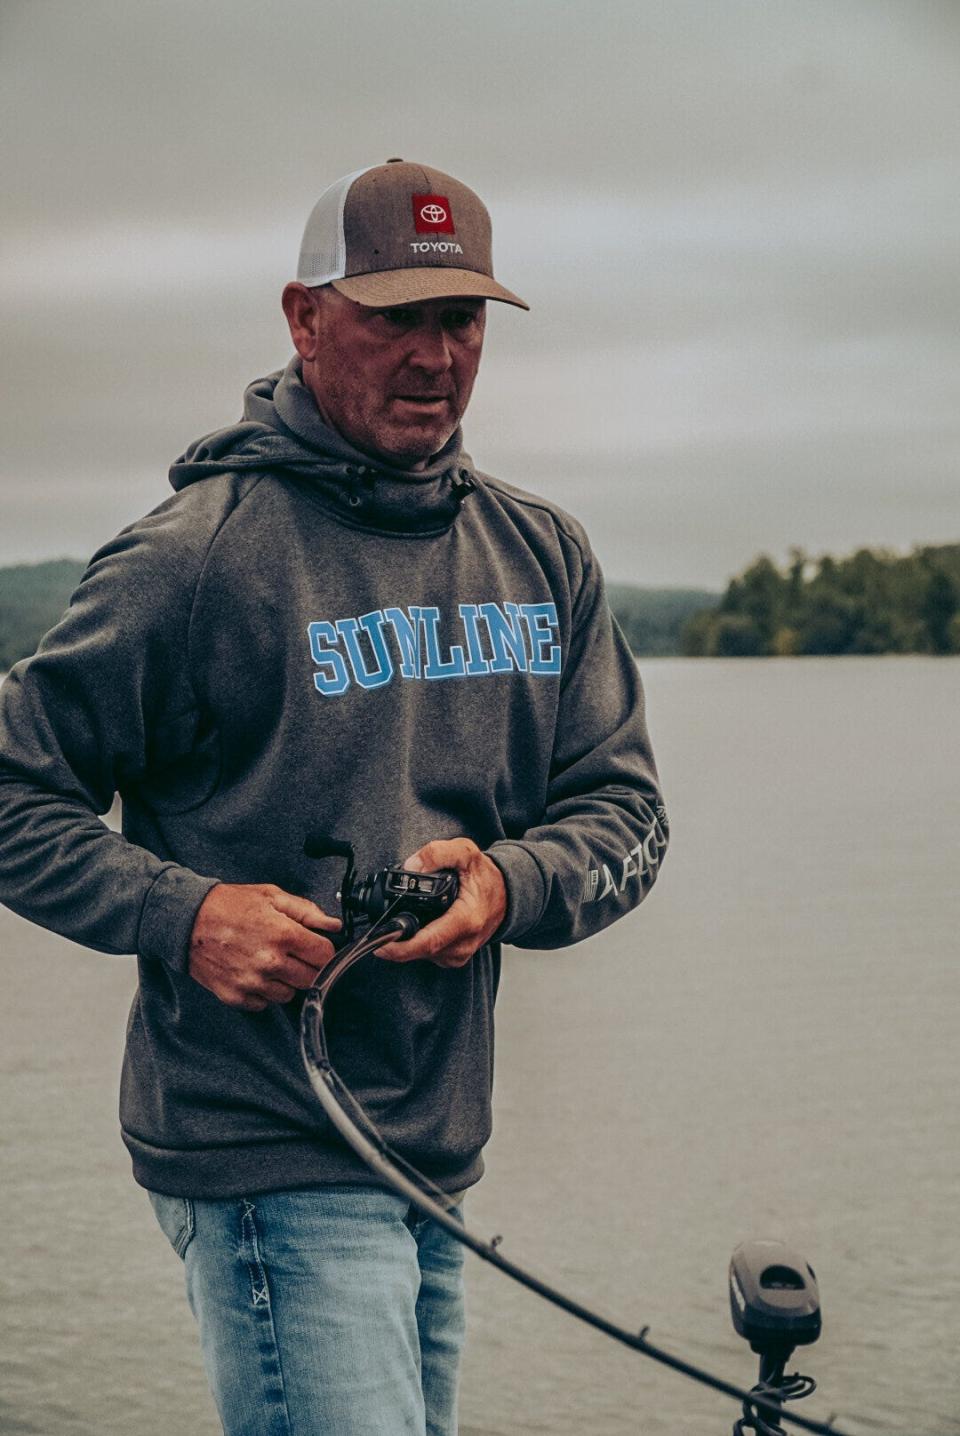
pixel 874 601
pixel 32 598
pixel 653 619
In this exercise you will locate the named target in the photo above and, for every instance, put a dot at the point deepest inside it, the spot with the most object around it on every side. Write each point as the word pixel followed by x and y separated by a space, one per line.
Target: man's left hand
pixel 480 907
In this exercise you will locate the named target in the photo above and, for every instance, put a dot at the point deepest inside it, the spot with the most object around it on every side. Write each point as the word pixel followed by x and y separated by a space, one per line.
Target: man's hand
pixel 252 944
pixel 481 905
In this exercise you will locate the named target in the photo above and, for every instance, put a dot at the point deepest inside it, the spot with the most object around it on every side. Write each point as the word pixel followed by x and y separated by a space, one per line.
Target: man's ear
pixel 302 312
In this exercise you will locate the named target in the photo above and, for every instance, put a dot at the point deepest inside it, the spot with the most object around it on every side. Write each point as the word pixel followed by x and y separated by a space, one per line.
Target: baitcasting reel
pixel 424 896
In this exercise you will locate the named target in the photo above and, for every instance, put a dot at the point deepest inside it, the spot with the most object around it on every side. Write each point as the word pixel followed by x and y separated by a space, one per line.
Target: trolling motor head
pixel 774 1300
pixel 423 896
pixel 775 1305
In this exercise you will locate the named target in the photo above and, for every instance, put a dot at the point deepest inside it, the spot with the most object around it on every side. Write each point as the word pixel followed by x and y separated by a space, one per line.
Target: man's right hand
pixel 253 944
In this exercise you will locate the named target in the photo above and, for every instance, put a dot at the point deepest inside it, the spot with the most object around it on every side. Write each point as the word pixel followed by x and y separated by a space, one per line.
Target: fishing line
pixel 362 1135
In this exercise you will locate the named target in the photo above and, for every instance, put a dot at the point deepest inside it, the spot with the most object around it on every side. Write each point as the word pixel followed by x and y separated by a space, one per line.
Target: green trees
pixel 653 618
pixel 872 602
pixel 32 598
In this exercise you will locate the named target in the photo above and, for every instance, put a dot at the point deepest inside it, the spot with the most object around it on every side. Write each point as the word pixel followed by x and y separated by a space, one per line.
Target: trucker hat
pixel 399 233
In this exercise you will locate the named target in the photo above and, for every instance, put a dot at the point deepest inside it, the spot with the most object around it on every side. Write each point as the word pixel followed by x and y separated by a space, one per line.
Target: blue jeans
pixel 328 1312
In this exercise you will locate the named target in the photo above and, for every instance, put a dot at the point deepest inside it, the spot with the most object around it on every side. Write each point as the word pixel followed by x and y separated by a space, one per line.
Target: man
pixel 337 624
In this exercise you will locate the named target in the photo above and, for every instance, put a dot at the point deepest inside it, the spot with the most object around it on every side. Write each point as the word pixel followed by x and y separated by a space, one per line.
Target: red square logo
pixel 432 215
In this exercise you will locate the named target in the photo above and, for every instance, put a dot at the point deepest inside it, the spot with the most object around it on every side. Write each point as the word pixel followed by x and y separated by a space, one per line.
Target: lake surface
pixel 768 1047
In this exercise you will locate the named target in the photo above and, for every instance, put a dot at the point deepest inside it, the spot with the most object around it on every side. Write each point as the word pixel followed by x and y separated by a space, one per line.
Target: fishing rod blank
pixel 360 1133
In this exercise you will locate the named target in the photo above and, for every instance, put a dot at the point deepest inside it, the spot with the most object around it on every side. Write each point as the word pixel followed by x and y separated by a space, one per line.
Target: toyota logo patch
pixel 431 214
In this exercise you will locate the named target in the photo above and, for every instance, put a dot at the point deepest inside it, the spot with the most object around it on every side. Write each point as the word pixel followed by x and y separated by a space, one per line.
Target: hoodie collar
pixel 282 430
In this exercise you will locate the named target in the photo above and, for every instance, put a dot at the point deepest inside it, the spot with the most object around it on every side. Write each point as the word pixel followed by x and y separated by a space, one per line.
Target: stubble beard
pixel 393 441
pixel 370 427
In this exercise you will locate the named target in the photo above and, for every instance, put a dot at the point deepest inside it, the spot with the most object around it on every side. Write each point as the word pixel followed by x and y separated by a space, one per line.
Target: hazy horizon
pixel 738 228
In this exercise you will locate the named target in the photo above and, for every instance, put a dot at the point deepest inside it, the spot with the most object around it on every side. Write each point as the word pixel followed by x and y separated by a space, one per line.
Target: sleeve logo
pixel 642 861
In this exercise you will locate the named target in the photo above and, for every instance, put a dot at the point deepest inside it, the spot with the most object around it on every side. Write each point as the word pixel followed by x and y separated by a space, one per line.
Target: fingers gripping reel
pixel 318 845
pixel 412 898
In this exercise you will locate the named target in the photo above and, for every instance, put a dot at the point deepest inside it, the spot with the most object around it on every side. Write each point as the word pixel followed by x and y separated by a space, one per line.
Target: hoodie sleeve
pixel 106 689
pixel 597 850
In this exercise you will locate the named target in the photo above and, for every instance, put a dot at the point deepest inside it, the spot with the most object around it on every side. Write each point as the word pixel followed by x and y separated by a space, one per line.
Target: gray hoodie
pixel 299 641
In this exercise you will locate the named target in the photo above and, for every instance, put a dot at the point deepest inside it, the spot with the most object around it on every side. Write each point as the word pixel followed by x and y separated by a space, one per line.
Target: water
pixel 767 1048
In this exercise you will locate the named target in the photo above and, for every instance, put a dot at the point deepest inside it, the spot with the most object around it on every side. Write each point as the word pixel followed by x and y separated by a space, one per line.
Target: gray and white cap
pixel 398 233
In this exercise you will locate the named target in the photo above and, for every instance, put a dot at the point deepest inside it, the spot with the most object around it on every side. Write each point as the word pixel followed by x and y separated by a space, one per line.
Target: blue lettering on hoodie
pixel 332 677
pixel 476 663
pixel 372 625
pixel 506 635
pixel 435 666
pixel 406 630
pixel 496 638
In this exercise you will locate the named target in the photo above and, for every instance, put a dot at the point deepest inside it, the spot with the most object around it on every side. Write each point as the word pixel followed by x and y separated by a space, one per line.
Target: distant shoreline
pixel 873 602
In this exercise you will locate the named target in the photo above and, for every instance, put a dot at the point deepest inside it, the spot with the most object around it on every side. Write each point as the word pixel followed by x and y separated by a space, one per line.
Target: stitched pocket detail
pixel 250 1247
pixel 177 1220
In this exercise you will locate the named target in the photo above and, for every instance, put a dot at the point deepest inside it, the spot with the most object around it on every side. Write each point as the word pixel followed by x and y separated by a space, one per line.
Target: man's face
pixel 394 382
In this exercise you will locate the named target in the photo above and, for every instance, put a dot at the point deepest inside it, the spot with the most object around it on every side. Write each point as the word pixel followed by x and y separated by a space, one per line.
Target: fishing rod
pixel 774 1299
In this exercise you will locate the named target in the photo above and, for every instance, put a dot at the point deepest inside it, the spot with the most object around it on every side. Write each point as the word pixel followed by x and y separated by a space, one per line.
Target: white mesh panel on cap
pixel 323 253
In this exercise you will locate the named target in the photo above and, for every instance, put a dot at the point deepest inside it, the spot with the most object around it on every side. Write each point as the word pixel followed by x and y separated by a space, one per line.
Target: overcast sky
pixel 737 223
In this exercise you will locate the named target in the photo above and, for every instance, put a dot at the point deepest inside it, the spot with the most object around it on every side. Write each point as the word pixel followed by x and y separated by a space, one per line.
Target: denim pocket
pixel 176 1218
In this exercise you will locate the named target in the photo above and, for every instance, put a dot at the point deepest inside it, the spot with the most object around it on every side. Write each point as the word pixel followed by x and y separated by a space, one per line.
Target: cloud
pixel 738 226
pixel 119 261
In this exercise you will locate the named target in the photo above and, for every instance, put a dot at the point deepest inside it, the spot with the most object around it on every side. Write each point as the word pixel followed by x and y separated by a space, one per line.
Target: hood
pixel 282 432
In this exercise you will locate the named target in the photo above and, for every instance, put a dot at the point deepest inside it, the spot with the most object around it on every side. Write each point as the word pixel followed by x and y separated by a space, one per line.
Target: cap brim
pixel 408 286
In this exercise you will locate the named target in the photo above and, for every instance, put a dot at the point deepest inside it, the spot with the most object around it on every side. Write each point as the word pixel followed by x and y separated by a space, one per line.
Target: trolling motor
pixel 393 890
pixel 775 1305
